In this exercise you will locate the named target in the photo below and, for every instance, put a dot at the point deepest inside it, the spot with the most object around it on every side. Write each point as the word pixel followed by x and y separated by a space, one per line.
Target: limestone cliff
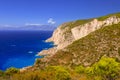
pixel 63 39
pixel 83 30
pixel 64 35
pixel 60 37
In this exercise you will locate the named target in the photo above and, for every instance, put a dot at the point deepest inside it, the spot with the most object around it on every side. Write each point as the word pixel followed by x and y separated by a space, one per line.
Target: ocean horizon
pixel 19 48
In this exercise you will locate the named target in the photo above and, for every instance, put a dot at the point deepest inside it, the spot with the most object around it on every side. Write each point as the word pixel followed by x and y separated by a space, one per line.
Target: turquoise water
pixel 19 48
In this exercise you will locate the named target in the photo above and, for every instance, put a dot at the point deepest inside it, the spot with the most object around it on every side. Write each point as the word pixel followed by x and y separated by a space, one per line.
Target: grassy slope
pixel 107 16
pixel 73 24
pixel 88 50
pixel 76 23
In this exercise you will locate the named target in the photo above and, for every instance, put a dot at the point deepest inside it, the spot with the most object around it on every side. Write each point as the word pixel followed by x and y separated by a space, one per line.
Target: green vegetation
pixel 60 72
pixel 73 24
pixel 68 26
pixel 107 16
pixel 11 71
pixel 105 69
pixel 87 50
pixel 80 69
pixel 76 23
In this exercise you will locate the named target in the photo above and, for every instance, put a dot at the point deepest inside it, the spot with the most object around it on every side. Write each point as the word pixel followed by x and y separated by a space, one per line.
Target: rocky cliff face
pixel 61 38
pixel 83 30
pixel 64 37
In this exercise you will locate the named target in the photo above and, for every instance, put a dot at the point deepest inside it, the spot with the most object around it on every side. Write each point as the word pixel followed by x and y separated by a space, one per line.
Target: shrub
pixel 60 72
pixel 62 75
pixel 107 68
pixel 80 69
pixel 1 73
pixel 11 71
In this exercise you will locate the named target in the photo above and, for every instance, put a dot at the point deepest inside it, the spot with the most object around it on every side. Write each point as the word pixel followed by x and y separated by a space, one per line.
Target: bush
pixel 107 68
pixel 60 72
pixel 1 73
pixel 11 71
pixel 62 75
pixel 80 69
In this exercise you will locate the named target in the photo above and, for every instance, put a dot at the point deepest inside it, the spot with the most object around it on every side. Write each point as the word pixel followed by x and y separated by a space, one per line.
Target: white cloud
pixel 51 21
pixel 27 24
pixel 5 25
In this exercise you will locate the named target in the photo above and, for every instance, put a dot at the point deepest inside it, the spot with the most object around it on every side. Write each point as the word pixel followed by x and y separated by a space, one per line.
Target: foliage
pixel 60 72
pixel 11 71
pixel 80 69
pixel 76 23
pixel 68 26
pixel 107 68
pixel 91 48
pixel 107 16
pixel 1 73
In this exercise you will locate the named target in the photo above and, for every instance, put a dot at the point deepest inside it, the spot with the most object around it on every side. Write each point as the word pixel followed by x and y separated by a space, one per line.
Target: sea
pixel 19 48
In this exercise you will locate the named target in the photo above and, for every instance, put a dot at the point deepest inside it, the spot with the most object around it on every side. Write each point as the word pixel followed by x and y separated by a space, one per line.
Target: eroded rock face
pixel 62 38
pixel 83 30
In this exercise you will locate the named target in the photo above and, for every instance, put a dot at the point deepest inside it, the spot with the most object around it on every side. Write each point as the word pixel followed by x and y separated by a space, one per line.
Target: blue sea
pixel 19 48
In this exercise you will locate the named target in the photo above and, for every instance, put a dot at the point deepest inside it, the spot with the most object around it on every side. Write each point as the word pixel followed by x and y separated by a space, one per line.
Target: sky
pixel 55 12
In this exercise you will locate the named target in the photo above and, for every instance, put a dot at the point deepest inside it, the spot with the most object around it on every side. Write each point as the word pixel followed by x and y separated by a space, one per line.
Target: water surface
pixel 18 48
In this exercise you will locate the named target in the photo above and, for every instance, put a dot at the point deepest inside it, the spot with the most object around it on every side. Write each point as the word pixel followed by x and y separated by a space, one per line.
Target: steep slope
pixel 66 33
pixel 84 42
pixel 69 32
pixel 87 50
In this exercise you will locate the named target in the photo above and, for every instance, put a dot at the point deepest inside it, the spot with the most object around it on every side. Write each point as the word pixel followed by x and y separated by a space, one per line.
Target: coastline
pixel 19 48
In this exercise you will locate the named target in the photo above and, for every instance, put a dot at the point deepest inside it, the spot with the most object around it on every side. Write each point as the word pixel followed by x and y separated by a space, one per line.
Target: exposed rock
pixel 83 30
pixel 50 51
pixel 62 38
pixel 25 68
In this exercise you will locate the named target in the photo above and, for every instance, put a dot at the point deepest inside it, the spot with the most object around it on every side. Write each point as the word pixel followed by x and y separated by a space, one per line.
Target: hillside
pixel 89 49
pixel 102 38
pixel 84 50
pixel 67 33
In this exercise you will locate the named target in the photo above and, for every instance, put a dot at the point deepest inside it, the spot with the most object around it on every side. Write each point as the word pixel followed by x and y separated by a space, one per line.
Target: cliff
pixel 89 49
pixel 64 37
pixel 84 42
pixel 69 32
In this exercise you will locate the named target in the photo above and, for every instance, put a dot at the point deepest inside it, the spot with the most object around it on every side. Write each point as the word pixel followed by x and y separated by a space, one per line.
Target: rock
pixel 50 51
pixel 83 30
pixel 62 38
pixel 25 68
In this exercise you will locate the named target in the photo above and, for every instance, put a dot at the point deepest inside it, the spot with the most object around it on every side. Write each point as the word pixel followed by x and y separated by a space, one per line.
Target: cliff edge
pixel 69 32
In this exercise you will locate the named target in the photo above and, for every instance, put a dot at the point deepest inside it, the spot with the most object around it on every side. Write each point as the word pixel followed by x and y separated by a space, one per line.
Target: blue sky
pixel 20 12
